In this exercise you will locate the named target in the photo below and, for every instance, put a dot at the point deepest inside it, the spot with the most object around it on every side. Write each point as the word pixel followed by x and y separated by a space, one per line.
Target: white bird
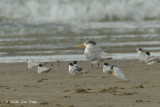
pixel 75 65
pixel 42 69
pixel 141 55
pixel 107 69
pixel 93 53
pixel 75 70
pixel 151 59
pixel 32 64
pixel 118 73
pixel 71 69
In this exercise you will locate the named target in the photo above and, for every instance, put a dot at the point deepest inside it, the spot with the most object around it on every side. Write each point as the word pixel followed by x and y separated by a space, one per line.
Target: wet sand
pixel 21 87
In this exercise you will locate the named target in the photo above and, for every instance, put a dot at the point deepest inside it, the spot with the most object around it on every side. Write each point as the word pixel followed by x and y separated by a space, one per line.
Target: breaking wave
pixel 52 11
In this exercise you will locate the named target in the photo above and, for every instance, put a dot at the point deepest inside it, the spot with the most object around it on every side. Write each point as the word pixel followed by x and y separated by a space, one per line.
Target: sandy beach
pixel 49 31
pixel 21 87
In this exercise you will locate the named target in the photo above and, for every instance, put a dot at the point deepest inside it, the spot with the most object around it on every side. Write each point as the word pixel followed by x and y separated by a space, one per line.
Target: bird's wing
pixel 103 55
pixel 107 69
pixel 153 58
pixel 33 63
pixel 78 68
pixel 43 69
pixel 85 71
pixel 119 73
pixel 31 66
pixel 92 52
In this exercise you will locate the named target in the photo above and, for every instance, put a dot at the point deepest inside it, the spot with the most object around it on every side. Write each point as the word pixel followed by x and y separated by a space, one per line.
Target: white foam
pixel 130 43
pixel 36 52
pixel 133 36
pixel 44 11
pixel 53 58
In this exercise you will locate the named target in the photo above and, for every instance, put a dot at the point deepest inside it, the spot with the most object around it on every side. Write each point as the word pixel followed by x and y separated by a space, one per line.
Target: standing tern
pixel 107 69
pixel 93 53
pixel 75 70
pixel 118 73
pixel 32 64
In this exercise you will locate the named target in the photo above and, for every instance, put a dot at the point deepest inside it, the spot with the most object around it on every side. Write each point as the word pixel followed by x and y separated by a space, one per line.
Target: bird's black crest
pixel 40 65
pixel 140 49
pixel 75 62
pixel 70 64
pixel 91 42
pixel 106 64
pixel 148 53
pixel 112 66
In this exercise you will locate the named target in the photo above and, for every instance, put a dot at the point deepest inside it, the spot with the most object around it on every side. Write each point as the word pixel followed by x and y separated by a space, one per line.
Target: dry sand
pixel 19 86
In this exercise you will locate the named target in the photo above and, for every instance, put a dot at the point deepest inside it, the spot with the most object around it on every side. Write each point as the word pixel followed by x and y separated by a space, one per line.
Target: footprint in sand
pixel 128 93
pixel 81 90
pixel 141 101
pixel 139 86
pixel 44 103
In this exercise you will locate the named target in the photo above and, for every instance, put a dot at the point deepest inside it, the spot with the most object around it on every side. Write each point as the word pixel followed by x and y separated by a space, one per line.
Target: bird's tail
pixel 85 71
pixel 48 70
pixel 124 78
pixel 106 55
pixel 109 57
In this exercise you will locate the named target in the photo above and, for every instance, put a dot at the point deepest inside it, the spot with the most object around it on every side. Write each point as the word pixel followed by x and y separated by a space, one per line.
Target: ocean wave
pixel 51 11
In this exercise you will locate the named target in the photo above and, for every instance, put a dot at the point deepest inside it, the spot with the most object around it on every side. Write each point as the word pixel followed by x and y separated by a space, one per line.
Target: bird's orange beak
pixel 81 45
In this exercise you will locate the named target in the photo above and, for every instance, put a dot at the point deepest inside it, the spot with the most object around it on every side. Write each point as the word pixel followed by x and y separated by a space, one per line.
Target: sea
pixel 49 30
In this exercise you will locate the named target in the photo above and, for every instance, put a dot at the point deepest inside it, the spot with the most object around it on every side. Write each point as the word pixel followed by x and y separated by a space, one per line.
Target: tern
pixel 32 64
pixel 93 53
pixel 151 59
pixel 118 73
pixel 42 69
pixel 107 69
pixel 75 70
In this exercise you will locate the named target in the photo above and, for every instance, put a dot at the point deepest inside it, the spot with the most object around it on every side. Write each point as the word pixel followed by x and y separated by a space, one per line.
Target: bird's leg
pixel 118 80
pixel 92 66
pixel 98 64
